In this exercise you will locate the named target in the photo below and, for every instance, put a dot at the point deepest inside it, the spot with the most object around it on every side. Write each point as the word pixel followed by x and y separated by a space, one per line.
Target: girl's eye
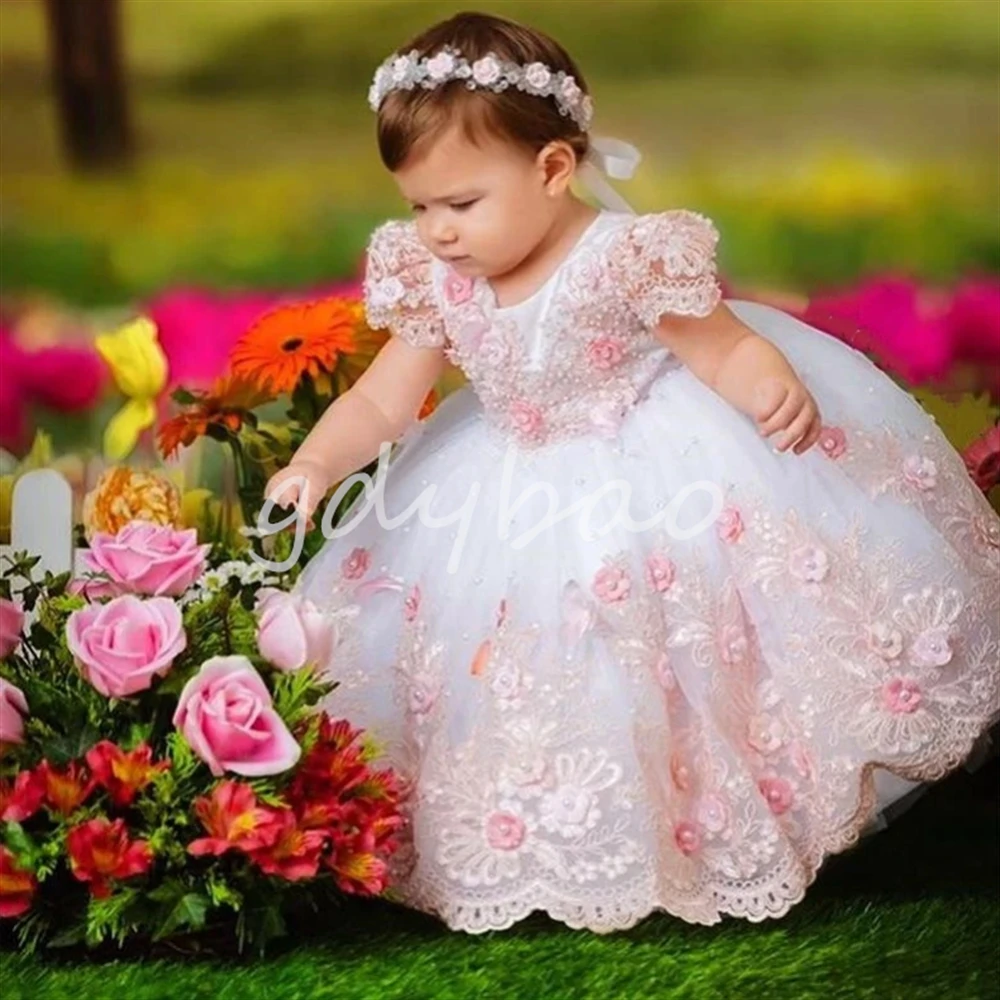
pixel 461 206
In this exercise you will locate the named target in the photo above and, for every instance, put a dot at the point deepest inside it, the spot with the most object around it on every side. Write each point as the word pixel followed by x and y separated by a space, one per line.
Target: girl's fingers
pixel 787 412
pixel 811 437
pixel 797 429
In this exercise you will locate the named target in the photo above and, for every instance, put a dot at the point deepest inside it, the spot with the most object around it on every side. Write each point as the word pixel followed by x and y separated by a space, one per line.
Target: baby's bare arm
pixel 747 371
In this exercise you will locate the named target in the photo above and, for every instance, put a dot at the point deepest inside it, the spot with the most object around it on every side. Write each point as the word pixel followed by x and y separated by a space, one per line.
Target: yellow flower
pixel 122 495
pixel 139 367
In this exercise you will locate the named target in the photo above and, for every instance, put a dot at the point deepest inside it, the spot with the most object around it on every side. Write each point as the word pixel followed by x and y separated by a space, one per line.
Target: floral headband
pixel 406 72
pixel 606 157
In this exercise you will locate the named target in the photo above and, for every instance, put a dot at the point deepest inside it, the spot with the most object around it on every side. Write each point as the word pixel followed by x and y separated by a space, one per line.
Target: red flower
pixel 100 850
pixel 66 791
pixel 123 773
pixel 24 798
pixel 234 819
pixel 17 886
pixel 982 459
pixel 295 852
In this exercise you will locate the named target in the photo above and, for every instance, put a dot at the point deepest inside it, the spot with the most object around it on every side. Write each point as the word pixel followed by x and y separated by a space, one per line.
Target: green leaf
pixel 184 396
pixel 189 911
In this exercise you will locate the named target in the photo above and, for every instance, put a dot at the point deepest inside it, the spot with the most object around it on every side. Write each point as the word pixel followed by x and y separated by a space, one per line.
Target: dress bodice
pixel 576 355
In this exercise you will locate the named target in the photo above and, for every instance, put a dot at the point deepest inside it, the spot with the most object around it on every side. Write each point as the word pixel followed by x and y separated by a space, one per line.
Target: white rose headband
pixel 606 156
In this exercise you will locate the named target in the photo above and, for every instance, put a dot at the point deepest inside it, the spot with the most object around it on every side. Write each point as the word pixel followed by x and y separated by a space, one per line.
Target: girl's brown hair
pixel 409 118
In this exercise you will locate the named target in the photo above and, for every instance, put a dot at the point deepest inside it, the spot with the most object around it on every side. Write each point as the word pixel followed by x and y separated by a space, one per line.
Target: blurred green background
pixel 828 139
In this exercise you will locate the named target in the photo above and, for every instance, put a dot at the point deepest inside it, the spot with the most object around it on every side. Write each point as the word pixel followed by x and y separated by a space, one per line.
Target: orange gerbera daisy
pixel 225 406
pixel 304 338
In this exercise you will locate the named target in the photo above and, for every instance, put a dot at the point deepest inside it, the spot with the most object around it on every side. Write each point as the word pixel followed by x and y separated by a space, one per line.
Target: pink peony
pixel 730 525
pixel 11 624
pixel 832 441
pixel 611 584
pixel 122 645
pixel 901 695
pixel 779 794
pixel 292 631
pixel 13 709
pixel 147 558
pixel 225 714
pixel 660 572
pixel 504 831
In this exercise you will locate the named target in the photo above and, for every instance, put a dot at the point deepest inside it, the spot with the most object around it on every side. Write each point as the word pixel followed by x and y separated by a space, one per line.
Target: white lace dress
pixel 607 717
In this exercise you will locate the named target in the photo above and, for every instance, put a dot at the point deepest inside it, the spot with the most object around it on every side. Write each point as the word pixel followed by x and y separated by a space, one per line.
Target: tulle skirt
pixel 671 671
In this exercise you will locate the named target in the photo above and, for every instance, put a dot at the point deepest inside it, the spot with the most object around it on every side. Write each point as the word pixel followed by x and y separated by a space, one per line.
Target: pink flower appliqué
pixel 687 836
pixel 605 353
pixel 527 419
pixel 504 831
pixel 713 813
pixel 660 572
pixel 680 773
pixel 920 472
pixel 730 525
pixel 779 794
pixel 931 648
pixel 356 564
pixel 457 288
pixel 832 442
pixel 809 564
pixel 411 606
pixel 765 734
pixel 902 695
pixel 611 584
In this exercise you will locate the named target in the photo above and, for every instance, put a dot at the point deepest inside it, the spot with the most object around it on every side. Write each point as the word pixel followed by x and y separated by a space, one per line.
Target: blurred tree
pixel 89 80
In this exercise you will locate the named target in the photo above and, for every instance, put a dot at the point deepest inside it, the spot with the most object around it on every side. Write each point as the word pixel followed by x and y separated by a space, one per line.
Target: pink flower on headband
pixel 441 66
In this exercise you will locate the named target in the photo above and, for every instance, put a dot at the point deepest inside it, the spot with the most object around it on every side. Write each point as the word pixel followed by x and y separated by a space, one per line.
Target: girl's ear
pixel 557 164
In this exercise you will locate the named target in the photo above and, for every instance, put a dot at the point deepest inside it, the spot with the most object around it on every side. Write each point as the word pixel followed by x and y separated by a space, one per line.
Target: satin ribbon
pixel 608 157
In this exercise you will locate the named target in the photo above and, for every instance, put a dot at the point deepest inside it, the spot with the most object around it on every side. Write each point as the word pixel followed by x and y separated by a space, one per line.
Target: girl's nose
pixel 443 233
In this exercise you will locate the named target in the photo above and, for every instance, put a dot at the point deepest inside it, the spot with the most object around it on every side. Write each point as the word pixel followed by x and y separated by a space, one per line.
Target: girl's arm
pixel 379 407
pixel 747 371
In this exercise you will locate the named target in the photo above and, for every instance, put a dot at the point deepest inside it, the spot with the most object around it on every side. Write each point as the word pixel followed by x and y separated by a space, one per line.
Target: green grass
pixel 913 913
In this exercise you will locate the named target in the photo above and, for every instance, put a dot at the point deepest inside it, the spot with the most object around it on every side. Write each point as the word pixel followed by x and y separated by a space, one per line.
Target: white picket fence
pixel 42 522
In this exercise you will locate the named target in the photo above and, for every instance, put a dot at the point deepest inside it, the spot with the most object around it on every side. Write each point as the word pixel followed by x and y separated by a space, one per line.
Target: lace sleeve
pixel 399 294
pixel 665 263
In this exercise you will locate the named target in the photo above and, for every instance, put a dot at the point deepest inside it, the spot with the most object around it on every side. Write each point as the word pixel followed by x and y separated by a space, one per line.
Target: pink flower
pixel 527 419
pixel 504 831
pixel 440 66
pixel 122 645
pixel 356 564
pixel 660 572
pixel 687 836
pixel 457 287
pixel 486 71
pixel 833 441
pixel 778 792
pixel 605 353
pixel 13 709
pixel 679 771
pixel 611 584
pixel 920 472
pixel 146 558
pixel 901 695
pixel 809 563
pixel 712 813
pixel 11 623
pixel 730 525
pixel 884 640
pixel 982 459
pixel 225 714
pixel 765 734
pixel 411 606
pixel 931 648
pixel 292 631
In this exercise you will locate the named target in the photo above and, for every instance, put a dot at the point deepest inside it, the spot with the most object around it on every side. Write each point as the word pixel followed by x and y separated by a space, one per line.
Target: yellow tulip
pixel 139 368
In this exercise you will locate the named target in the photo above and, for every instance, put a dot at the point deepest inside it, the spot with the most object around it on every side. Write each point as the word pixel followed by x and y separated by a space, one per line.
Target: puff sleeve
pixel 665 263
pixel 398 286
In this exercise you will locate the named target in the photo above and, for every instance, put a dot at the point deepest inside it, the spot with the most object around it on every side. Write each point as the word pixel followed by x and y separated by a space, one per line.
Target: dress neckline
pixel 491 295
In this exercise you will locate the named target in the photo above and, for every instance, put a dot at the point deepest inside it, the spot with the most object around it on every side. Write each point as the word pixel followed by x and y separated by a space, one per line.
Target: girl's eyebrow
pixel 457 196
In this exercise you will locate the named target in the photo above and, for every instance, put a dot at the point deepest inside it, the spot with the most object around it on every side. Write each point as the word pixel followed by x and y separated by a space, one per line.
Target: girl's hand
pixel 784 404
pixel 301 485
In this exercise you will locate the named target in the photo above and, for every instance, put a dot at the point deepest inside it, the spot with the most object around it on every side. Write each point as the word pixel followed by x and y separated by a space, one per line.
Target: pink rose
pixel 901 695
pixel 527 419
pixel 122 645
pixel 292 631
pixel 605 352
pixel 779 794
pixel 660 572
pixel 146 558
pixel 687 836
pixel 13 709
pixel 611 584
pixel 457 287
pixel 504 831
pixel 11 623
pixel 833 441
pixel 730 525
pixel 225 714
pixel 356 564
